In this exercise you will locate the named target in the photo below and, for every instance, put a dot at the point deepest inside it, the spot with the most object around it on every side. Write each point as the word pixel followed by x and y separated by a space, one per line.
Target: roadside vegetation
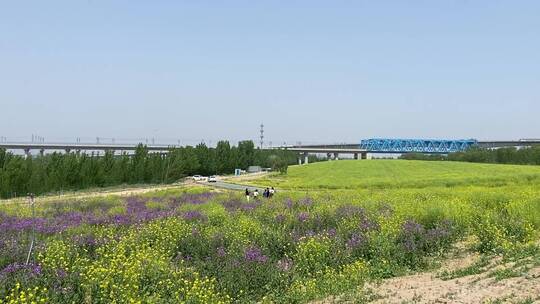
pixel 73 171
pixel 308 242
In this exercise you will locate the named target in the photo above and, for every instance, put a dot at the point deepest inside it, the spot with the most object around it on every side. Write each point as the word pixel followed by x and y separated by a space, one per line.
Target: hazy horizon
pixel 311 71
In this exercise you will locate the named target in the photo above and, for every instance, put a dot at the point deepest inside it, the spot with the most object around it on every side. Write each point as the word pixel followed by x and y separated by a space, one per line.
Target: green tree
pixel 246 154
pixel 223 157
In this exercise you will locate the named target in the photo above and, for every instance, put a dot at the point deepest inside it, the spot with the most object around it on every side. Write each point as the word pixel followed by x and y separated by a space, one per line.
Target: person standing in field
pixel 255 194
pixel 271 192
pixel 247 195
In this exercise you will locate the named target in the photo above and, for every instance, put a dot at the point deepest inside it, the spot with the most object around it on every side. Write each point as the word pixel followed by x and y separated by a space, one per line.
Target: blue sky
pixel 312 71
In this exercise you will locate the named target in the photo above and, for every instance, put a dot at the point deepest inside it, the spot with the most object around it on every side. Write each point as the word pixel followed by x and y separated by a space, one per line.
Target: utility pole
pixel 262 135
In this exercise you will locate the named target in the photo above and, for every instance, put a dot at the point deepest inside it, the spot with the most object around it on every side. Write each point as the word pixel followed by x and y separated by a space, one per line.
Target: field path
pixel 427 288
pixel 493 284
pixel 96 193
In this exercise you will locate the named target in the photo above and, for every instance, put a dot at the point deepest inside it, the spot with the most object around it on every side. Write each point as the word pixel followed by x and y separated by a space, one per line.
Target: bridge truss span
pixel 385 145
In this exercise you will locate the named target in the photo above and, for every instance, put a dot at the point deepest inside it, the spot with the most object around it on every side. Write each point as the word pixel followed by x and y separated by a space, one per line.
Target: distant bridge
pixel 359 151
pixel 383 145
pixel 77 147
pixel 401 146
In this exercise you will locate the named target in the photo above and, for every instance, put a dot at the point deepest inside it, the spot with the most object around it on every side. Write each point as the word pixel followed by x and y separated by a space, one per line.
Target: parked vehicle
pixel 198 178
pixel 212 179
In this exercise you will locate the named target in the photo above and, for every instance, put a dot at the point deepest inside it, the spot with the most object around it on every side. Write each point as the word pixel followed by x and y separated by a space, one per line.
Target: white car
pixel 198 178
pixel 212 179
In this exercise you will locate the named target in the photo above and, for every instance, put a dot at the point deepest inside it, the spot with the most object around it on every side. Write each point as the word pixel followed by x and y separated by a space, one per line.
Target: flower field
pixel 193 245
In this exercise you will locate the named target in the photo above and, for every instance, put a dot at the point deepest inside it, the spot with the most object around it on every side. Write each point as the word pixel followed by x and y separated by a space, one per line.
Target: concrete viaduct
pixel 358 151
pixel 331 153
pixel 42 147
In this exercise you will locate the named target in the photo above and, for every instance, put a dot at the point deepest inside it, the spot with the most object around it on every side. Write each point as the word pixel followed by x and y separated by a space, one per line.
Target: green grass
pixel 429 189
pixel 384 174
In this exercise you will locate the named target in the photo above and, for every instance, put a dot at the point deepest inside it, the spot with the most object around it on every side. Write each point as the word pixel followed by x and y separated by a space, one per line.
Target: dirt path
pixel 98 193
pixel 465 279
pixel 480 288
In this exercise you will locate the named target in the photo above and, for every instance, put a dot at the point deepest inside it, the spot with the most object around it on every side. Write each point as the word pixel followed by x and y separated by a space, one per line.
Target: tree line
pixel 510 155
pixel 20 175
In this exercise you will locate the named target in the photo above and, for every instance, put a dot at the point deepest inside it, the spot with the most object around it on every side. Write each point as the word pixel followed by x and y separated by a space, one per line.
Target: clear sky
pixel 312 71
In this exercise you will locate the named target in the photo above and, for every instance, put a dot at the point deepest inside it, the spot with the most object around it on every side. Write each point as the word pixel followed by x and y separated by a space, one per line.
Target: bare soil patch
pixel 491 282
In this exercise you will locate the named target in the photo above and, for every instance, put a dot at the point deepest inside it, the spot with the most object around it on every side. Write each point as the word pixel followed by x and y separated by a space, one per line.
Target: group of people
pixel 268 193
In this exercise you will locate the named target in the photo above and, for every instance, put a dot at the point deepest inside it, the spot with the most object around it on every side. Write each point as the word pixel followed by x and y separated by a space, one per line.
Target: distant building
pixel 254 169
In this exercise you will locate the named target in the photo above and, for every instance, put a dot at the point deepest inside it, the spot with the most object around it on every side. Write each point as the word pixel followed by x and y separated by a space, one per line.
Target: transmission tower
pixel 262 135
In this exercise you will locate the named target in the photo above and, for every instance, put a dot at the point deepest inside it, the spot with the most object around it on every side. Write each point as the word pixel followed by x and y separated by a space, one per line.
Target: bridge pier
pixel 303 156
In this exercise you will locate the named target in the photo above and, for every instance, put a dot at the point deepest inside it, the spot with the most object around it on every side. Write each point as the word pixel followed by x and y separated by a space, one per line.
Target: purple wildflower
pixel 412 236
pixel 331 232
pixel 349 210
pixel 61 273
pixel 303 216
pixel 306 201
pixel 289 203
pixel 254 254
pixel 250 206
pixel 411 227
pixel 31 269
pixel 355 241
pixel 198 198
pixel 232 205
pixel 367 224
pixel 194 215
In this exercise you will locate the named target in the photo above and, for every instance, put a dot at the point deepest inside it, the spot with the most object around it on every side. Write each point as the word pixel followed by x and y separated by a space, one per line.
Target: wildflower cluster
pixel 202 247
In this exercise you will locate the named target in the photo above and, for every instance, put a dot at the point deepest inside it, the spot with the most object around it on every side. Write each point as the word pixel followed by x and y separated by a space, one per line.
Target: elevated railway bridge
pixel 358 151
pixel 401 146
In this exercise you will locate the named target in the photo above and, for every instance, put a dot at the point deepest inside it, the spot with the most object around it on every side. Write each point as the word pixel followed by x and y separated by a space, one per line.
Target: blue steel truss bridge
pixel 401 146
pixel 384 145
